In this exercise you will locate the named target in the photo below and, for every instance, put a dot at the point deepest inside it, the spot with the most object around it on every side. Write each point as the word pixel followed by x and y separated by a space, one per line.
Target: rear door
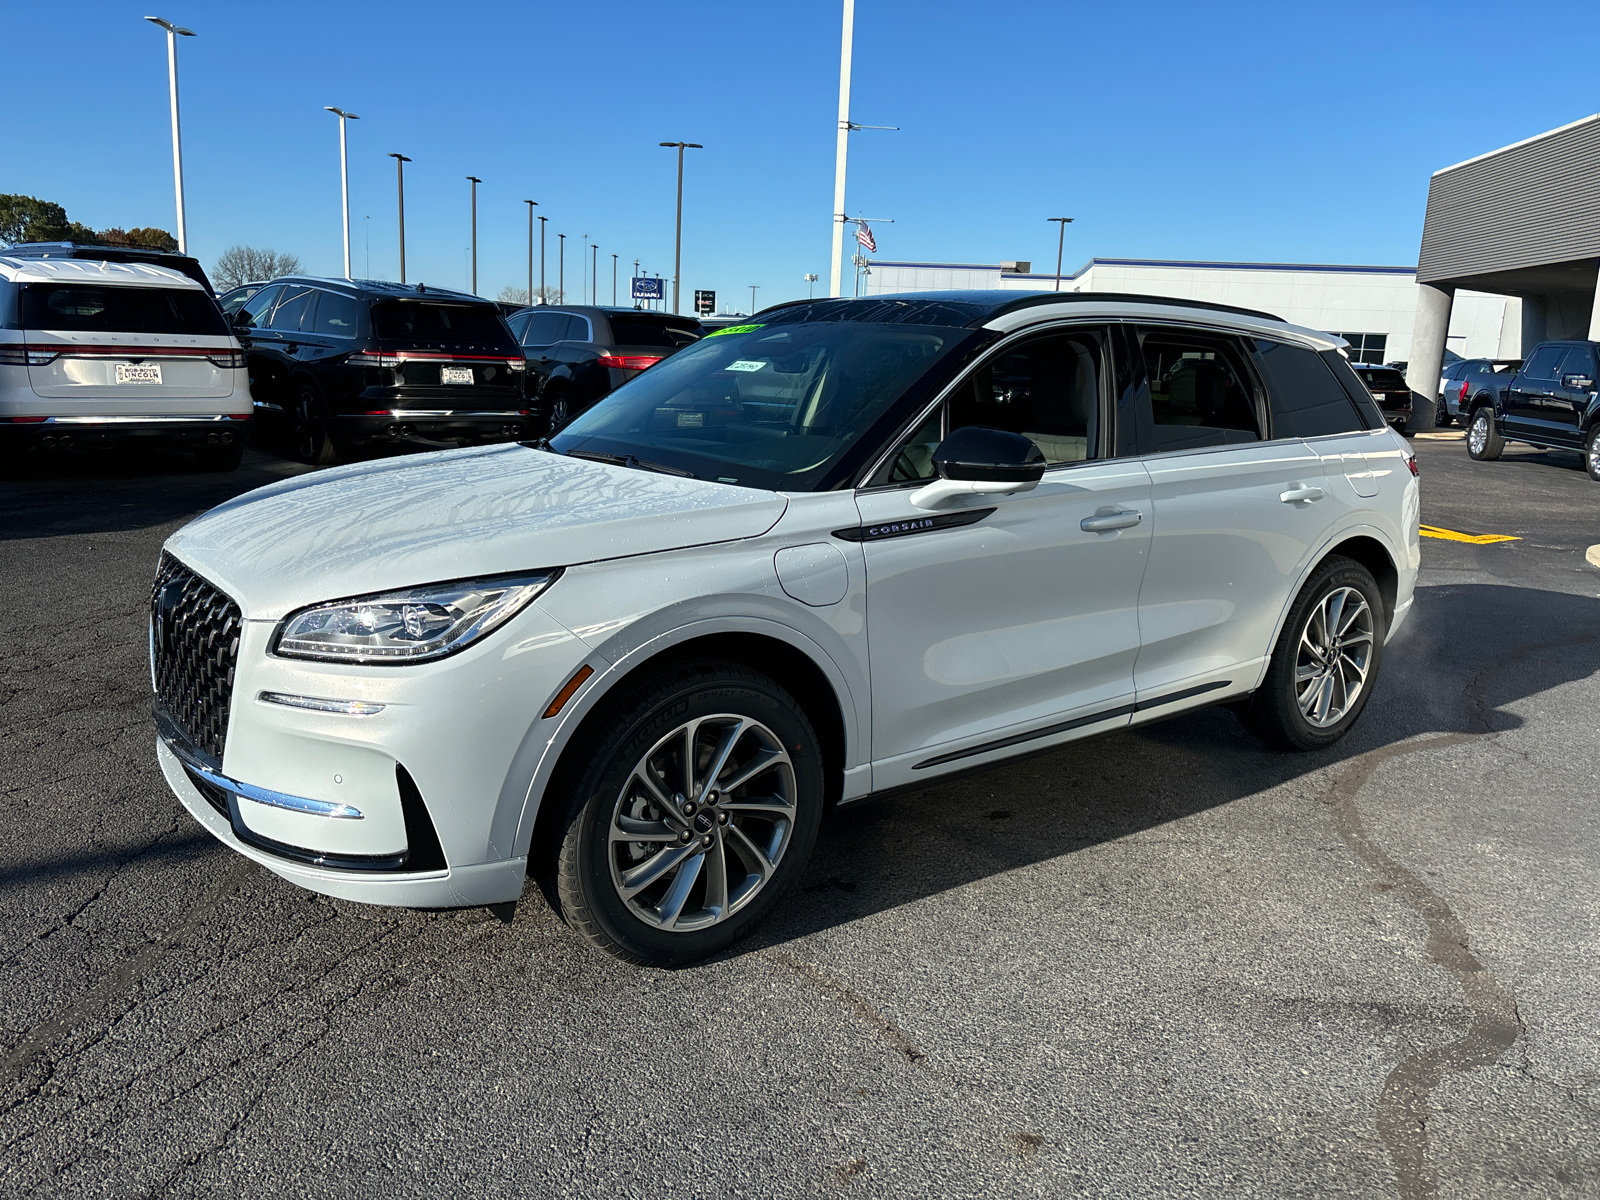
pixel 1235 514
pixel 539 336
pixel 249 322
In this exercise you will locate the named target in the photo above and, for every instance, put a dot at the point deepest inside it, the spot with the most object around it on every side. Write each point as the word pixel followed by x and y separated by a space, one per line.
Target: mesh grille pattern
pixel 196 643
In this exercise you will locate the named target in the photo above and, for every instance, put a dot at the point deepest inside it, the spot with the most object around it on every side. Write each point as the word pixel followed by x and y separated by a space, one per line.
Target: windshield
pixel 774 406
pixel 629 330
pixel 419 320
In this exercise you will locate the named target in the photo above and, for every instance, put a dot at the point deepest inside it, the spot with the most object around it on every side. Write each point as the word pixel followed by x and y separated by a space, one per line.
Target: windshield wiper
pixel 632 460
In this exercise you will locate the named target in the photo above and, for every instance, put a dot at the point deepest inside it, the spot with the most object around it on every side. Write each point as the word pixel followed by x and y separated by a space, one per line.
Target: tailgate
pixel 104 367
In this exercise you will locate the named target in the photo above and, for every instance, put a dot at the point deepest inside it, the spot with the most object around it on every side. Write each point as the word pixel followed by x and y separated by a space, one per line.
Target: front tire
pixel 1484 442
pixel 693 807
pixel 1591 452
pixel 1325 663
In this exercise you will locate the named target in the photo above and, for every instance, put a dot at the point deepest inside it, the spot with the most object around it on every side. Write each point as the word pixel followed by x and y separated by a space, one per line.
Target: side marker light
pixel 566 693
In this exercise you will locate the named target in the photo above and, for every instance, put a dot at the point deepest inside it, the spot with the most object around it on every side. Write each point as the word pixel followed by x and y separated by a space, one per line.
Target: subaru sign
pixel 649 289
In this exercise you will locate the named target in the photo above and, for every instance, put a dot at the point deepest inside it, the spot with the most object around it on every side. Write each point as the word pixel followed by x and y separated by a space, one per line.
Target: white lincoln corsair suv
pixel 848 547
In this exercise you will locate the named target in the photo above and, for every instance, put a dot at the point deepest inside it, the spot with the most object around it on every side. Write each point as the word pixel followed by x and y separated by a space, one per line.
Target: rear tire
pixel 309 437
pixel 711 863
pixel 1325 663
pixel 1591 452
pixel 556 411
pixel 1484 442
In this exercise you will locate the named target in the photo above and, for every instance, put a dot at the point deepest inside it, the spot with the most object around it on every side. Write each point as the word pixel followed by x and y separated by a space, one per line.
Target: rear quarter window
pixel 99 308
pixel 1303 395
pixel 1371 416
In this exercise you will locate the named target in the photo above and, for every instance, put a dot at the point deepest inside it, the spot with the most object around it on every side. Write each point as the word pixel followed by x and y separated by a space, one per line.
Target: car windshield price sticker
pixel 455 374
pixel 138 372
pixel 745 365
pixel 735 329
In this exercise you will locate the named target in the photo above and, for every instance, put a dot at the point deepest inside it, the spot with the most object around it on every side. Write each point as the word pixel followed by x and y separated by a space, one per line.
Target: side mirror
pixel 1577 383
pixel 978 461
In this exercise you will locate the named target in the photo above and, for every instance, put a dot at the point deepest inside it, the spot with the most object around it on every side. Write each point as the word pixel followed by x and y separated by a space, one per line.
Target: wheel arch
pixel 1374 556
pixel 790 659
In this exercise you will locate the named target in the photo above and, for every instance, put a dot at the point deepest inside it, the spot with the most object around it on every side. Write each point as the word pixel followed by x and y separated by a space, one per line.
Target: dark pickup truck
pixel 1552 403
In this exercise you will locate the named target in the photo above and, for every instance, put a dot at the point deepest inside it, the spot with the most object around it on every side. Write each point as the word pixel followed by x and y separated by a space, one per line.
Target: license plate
pixel 455 374
pixel 138 372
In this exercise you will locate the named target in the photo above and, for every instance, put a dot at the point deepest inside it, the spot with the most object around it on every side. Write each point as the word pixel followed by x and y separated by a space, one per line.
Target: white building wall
pixel 1332 298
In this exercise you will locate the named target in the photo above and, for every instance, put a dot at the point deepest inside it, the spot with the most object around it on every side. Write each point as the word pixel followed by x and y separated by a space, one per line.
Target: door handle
pixel 1107 522
pixel 1296 495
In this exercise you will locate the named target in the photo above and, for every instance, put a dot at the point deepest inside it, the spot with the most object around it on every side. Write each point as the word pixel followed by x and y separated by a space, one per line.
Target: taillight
pixel 228 360
pixel 20 354
pixel 630 362
pixel 1462 397
pixel 1411 463
pixel 516 364
pixel 372 358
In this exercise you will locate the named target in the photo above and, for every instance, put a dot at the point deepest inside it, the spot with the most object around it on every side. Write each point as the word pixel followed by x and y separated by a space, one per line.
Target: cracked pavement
pixel 1168 962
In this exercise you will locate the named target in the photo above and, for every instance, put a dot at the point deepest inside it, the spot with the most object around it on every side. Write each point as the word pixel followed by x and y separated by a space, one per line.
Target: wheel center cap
pixel 704 822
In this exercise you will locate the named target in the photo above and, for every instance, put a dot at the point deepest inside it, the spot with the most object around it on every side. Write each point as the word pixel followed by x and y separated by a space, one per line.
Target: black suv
pixel 578 355
pixel 105 252
pixel 1389 389
pixel 347 363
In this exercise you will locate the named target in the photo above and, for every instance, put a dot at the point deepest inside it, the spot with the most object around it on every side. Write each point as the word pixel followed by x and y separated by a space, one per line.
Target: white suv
pixel 97 354
pixel 847 547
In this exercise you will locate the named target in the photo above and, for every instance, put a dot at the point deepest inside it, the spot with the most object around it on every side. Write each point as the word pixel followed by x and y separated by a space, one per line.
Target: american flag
pixel 864 236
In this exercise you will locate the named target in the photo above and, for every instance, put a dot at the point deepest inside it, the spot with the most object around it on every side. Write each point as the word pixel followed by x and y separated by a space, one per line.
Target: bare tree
pixel 516 295
pixel 248 264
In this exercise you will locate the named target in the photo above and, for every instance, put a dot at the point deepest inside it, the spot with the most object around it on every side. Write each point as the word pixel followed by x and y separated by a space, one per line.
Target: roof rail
pixel 1033 300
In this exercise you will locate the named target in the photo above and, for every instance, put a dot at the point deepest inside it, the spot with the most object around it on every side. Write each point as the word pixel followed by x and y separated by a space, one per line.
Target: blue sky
pixel 1220 131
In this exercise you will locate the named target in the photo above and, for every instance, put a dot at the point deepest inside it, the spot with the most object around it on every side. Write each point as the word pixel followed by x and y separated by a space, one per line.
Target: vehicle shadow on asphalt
pixel 1467 651
pixel 113 493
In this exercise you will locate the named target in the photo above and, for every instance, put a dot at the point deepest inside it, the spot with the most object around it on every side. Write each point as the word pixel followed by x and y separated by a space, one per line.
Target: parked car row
pixel 107 345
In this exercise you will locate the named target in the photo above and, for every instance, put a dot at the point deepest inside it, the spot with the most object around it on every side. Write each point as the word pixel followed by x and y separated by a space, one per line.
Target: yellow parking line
pixel 1476 539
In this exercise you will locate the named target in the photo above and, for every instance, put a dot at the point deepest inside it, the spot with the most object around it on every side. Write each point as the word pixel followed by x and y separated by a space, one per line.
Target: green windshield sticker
pixel 735 329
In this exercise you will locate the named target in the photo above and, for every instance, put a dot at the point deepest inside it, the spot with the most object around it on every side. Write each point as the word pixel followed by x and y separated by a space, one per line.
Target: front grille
pixel 194 646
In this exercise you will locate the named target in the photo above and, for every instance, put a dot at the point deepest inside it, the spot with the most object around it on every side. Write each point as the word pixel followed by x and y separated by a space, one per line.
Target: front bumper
pixel 453 887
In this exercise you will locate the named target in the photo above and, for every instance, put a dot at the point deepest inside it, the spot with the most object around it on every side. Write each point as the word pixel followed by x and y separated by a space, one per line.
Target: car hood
pixel 429 518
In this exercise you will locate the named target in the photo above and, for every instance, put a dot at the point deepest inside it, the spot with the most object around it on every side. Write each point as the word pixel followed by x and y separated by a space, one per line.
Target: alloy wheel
pixel 1334 657
pixel 1594 454
pixel 1478 435
pixel 702 822
pixel 308 433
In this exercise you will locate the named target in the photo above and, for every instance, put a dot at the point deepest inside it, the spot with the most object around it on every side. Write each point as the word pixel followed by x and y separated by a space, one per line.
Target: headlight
pixel 408 626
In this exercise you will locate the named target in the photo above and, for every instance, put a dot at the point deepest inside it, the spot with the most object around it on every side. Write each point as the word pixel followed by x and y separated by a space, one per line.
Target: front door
pixel 1575 386
pixel 998 621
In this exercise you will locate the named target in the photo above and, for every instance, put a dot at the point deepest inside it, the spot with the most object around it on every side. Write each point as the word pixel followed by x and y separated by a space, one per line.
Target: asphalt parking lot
pixel 1164 963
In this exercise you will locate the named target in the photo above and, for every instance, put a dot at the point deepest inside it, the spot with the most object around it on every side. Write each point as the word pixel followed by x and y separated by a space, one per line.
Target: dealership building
pixel 1521 222
pixel 1374 308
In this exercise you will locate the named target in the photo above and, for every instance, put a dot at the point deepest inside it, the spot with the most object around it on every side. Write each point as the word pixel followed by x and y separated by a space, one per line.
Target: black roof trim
pixel 969 308
pixel 618 309
pixel 384 288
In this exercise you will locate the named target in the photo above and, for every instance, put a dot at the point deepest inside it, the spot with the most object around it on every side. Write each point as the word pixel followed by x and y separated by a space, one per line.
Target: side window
pixel 517 325
pixel 296 304
pixel 1579 361
pixel 1200 392
pixel 1046 388
pixel 254 311
pixel 1302 394
pixel 1543 363
pixel 578 330
pixel 337 315
pixel 545 328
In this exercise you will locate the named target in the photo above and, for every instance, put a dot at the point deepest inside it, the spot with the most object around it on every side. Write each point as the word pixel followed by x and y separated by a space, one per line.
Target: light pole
pixel 677 243
pixel 400 161
pixel 594 274
pixel 475 182
pixel 344 177
pixel 1061 241
pixel 561 268
pixel 530 204
pixel 174 32
pixel 753 288
pixel 811 284
pixel 542 221
pixel 842 149
pixel 613 281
